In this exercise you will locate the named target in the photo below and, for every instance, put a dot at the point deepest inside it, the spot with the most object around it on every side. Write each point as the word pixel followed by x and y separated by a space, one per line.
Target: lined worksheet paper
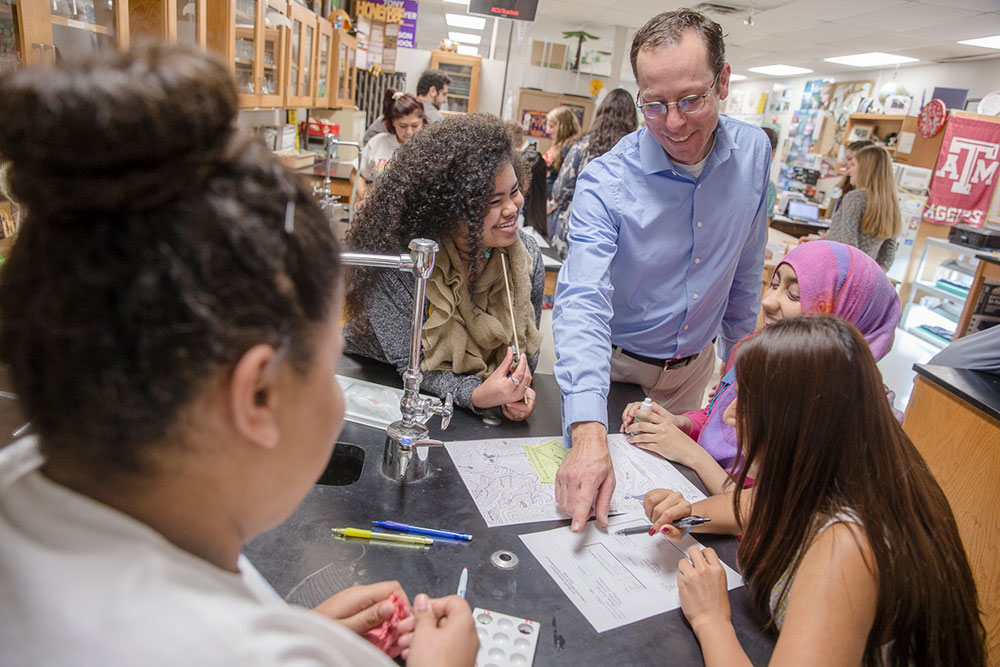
pixel 613 579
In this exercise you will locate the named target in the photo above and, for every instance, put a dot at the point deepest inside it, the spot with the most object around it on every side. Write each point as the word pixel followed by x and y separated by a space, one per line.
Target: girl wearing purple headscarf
pixel 817 277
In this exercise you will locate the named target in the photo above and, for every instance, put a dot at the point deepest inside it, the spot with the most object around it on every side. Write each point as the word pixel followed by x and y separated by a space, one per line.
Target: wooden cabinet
pixel 463 92
pixel 919 150
pixel 881 124
pixel 300 89
pixel 10 46
pixel 326 74
pixel 958 439
pixel 345 52
pixel 183 21
pixel 252 34
pixel 67 29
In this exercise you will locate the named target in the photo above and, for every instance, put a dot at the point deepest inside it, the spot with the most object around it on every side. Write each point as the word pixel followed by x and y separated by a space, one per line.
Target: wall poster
pixel 965 174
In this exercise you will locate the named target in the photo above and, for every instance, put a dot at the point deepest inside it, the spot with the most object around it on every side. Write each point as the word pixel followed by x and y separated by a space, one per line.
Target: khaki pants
pixel 678 390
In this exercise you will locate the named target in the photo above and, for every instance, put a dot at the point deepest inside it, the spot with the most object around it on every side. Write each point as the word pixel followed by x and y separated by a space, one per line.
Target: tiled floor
pixel 896 367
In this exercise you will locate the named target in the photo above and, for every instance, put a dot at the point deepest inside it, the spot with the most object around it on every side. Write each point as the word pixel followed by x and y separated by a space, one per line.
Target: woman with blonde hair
pixel 564 128
pixel 869 218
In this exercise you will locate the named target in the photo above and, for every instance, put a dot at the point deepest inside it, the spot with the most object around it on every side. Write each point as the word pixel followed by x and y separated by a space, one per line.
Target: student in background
pixel 534 193
pixel 562 125
pixel 849 550
pixel 170 319
pixel 615 118
pixel 815 278
pixel 432 91
pixel 468 204
pixel 846 185
pixel 405 116
pixel 868 217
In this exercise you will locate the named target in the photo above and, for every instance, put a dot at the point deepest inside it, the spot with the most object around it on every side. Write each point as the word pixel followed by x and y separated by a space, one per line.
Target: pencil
pixel 510 305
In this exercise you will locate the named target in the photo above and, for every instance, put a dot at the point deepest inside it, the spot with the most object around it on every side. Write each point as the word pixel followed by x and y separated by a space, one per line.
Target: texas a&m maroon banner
pixel 966 172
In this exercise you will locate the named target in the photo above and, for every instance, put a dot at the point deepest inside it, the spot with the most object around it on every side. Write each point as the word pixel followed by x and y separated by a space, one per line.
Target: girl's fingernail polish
pixel 665 530
pixel 652 531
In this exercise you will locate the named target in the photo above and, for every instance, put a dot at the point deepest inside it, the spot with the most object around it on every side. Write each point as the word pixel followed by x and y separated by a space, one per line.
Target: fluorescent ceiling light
pixel 459 2
pixel 779 70
pixel 465 37
pixel 736 77
pixel 466 50
pixel 463 21
pixel 873 59
pixel 985 42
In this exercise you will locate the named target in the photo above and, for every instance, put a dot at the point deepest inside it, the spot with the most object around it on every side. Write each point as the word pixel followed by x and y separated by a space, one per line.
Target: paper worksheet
pixel 613 579
pixel 512 479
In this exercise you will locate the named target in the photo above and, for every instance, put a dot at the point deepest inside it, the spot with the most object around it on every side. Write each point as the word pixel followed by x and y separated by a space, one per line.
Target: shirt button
pixel 697 260
pixel 699 223
pixel 695 296
pixel 699 186
pixel 685 327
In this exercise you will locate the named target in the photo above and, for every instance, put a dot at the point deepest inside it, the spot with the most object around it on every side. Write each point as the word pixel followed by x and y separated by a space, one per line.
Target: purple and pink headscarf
pixel 833 278
pixel 841 280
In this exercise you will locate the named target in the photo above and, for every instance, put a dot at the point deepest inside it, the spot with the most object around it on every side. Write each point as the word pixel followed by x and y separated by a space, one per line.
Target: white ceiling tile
pixel 911 16
pixel 953 29
pixel 778 21
pixel 828 32
pixel 977 5
pixel 946 51
pixel 886 42
pixel 789 43
pixel 834 10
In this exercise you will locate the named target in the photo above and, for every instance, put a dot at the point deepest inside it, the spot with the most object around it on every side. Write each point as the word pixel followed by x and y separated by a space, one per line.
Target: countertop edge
pixel 979 389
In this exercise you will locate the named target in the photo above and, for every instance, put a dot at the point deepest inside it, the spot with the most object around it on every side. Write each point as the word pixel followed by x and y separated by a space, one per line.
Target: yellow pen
pixel 374 535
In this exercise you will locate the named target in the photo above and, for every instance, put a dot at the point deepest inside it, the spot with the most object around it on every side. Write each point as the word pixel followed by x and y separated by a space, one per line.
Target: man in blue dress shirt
pixel 666 251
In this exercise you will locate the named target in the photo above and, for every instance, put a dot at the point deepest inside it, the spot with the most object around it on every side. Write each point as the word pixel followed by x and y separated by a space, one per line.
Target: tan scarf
pixel 469 334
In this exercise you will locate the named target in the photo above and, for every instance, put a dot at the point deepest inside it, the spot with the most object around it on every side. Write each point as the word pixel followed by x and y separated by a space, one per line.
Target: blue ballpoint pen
pixel 416 530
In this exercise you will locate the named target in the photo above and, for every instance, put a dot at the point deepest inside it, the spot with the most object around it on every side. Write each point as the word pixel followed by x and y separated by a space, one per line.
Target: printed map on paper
pixel 508 490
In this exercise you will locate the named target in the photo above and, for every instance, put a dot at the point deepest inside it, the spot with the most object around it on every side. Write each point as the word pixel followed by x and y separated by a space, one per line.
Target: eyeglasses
pixel 686 105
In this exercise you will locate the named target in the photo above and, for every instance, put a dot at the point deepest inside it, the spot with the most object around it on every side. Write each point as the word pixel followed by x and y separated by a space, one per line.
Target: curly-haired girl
pixel 457 182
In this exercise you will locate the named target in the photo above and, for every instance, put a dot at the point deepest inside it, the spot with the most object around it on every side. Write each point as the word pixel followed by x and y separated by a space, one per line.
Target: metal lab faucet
pixel 400 460
pixel 327 201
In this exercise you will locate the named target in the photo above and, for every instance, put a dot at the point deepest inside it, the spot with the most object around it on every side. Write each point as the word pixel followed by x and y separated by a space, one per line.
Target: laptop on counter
pixel 802 211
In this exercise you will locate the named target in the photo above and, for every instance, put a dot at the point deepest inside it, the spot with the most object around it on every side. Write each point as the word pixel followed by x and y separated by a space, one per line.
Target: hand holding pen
pixel 664 507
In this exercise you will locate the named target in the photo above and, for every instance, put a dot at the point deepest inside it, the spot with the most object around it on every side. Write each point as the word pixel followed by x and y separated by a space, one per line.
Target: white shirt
pixel 376 154
pixel 84 584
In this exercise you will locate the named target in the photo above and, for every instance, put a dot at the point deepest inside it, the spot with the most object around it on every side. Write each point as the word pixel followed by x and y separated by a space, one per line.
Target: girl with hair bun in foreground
pixel 170 317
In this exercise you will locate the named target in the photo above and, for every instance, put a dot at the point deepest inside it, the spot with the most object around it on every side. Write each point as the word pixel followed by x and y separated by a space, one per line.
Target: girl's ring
pixel 517 383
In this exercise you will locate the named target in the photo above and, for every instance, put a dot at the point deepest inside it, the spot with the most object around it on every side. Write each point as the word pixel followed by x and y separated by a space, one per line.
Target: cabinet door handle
pixel 41 52
pixel 53 47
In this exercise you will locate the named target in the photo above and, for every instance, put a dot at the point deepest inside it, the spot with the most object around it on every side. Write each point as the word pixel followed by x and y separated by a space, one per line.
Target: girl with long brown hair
pixel 868 217
pixel 614 119
pixel 849 546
